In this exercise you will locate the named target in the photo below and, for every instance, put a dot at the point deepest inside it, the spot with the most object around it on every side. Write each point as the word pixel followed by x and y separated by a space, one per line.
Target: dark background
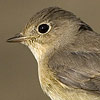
pixel 18 68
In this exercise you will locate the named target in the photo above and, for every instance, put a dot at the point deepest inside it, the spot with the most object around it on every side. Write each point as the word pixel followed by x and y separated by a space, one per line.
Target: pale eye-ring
pixel 44 28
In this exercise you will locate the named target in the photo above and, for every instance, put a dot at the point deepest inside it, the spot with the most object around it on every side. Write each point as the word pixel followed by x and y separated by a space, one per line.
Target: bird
pixel 67 51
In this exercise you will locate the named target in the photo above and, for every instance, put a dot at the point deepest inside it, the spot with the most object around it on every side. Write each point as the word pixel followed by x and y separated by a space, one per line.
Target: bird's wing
pixel 77 69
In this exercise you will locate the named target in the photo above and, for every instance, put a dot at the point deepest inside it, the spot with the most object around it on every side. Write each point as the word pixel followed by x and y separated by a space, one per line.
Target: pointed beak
pixel 17 38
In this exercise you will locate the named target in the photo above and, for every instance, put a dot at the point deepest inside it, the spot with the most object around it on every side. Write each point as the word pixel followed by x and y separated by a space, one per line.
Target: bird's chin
pixel 27 43
pixel 24 43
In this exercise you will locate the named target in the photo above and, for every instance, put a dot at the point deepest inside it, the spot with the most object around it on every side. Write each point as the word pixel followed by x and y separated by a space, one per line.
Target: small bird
pixel 67 51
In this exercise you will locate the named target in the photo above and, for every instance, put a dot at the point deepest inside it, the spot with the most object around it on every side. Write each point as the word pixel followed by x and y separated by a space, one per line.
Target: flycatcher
pixel 67 51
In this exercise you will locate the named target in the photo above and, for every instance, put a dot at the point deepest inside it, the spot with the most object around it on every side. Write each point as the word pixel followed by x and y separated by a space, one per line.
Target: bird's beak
pixel 17 38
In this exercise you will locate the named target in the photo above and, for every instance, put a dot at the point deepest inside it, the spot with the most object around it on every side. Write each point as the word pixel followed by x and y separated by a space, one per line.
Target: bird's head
pixel 48 30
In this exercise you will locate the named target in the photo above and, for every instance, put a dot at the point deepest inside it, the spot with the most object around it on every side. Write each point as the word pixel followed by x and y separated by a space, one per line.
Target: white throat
pixel 38 51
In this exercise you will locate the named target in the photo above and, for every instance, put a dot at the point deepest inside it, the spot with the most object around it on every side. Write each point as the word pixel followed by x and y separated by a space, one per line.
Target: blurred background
pixel 18 68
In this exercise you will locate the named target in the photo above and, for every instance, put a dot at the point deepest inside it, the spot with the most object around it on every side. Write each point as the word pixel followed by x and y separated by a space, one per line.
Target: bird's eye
pixel 43 28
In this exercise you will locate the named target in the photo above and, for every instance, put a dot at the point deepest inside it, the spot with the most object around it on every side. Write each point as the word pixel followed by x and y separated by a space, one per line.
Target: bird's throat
pixel 39 51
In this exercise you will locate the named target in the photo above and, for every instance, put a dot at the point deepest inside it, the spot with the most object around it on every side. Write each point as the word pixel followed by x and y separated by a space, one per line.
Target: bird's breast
pixel 50 85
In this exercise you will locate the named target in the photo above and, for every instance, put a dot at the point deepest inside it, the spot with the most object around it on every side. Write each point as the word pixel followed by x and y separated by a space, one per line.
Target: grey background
pixel 18 68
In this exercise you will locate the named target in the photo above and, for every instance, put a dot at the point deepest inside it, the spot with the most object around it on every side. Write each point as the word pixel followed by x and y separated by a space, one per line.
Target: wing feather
pixel 77 69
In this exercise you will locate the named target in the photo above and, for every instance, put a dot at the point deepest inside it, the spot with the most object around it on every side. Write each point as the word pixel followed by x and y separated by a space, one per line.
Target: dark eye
pixel 43 28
